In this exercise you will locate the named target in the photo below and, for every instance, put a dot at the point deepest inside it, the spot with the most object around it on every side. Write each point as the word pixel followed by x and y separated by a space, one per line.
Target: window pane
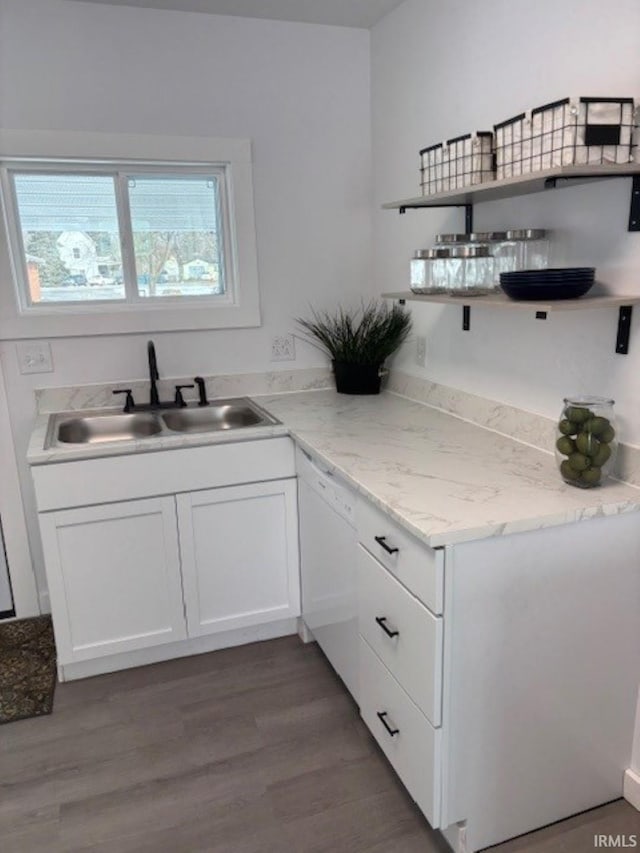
pixel 70 236
pixel 176 236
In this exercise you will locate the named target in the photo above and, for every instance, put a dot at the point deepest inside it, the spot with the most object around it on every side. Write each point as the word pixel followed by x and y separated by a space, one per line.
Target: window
pixel 113 246
pixel 76 230
pixel 64 220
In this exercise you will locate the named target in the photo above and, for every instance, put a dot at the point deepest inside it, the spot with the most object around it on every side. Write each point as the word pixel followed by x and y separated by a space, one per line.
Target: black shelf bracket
pixel 466 319
pixel 468 218
pixel 624 329
pixel 525 184
pixel 634 205
pixel 468 212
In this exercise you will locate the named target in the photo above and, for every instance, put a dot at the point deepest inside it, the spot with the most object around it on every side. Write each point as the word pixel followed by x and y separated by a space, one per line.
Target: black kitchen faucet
pixel 154 398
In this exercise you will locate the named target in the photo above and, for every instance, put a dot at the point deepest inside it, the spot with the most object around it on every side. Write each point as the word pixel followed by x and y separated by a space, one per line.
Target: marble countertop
pixel 443 478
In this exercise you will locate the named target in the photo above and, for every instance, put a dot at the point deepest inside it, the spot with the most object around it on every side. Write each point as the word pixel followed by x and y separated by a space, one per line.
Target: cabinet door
pixel 239 550
pixel 114 577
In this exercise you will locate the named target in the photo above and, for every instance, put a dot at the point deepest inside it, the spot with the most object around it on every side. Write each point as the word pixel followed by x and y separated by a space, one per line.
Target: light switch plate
pixel 34 357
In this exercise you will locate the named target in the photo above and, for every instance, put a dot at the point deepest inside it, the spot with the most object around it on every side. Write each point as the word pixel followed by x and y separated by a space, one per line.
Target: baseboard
pixel 170 651
pixel 631 790
pixel 303 631
pixel 456 837
pixel 45 604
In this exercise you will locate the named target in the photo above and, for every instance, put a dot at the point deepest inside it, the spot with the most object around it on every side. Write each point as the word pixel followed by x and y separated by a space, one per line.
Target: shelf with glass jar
pixel 471 264
pixel 624 304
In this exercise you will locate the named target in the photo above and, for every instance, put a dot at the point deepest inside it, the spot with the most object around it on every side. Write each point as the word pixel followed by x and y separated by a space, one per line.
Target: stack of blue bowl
pixel 561 283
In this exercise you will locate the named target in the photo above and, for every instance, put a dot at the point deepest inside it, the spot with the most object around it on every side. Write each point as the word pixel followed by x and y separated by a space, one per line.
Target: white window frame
pixel 74 153
pixel 121 173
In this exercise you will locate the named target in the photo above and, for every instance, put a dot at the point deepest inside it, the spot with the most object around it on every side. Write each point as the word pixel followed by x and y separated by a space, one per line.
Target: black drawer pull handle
pixel 382 542
pixel 381 620
pixel 381 717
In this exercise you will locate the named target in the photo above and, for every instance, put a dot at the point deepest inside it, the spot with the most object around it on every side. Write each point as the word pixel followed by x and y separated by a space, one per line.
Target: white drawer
pixel 416 565
pixel 403 733
pixel 414 653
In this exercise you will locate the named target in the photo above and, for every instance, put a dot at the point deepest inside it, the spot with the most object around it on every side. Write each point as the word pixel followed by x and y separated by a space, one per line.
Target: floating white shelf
pixel 525 185
pixel 499 300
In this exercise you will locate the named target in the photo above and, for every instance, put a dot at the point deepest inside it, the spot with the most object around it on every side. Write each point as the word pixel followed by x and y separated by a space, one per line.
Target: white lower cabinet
pixel 239 556
pixel 114 577
pixel 401 648
pixel 515 707
pixel 155 577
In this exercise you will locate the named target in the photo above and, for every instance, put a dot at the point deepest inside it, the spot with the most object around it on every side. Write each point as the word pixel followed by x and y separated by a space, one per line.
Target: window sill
pixel 129 321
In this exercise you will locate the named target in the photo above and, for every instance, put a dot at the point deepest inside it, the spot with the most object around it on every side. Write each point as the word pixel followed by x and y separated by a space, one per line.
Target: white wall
pixel 299 91
pixel 442 69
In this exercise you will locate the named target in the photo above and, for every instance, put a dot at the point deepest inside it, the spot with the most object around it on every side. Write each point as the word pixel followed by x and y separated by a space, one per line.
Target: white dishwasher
pixel 328 550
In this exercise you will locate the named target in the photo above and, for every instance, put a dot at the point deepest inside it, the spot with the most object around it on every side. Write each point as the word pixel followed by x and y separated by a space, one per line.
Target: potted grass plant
pixel 358 342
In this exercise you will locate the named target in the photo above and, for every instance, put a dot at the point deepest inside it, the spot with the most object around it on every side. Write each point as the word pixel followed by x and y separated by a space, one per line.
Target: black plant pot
pixel 356 378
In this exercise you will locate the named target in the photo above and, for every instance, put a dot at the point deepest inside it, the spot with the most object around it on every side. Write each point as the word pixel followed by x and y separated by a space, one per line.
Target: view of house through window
pixel 70 237
pixel 76 229
pixel 175 236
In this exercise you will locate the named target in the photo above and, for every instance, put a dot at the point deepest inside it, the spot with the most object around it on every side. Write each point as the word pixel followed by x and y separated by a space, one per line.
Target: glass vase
pixel 586 441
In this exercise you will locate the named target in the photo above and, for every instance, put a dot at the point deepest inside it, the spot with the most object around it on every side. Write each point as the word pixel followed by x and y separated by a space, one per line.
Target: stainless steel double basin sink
pixel 98 427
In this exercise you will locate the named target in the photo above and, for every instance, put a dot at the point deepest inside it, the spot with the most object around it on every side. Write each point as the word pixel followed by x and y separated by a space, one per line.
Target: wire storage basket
pixel 459 162
pixel 572 131
pixel 431 169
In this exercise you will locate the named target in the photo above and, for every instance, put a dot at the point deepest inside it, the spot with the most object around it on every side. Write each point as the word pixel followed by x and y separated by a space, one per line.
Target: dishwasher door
pixel 328 567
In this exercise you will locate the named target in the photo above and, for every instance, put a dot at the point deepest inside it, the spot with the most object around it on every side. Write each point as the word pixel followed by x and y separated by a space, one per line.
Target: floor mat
pixel 27 668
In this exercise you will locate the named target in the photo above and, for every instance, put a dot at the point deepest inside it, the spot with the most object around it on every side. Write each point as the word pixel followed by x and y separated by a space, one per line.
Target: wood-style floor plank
pixel 256 749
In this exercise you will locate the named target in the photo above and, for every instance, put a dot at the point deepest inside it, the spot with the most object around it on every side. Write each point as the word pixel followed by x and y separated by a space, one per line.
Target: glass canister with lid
pixel 586 441
pixel 502 249
pixel 530 247
pixel 477 274
pixel 429 271
pixel 455 243
pixel 451 240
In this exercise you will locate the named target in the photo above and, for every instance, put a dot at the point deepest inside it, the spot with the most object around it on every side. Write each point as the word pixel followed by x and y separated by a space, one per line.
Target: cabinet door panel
pixel 239 556
pixel 114 577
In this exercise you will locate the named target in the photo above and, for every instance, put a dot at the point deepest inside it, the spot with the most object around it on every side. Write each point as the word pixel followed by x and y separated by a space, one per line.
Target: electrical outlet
pixel 421 350
pixel 34 357
pixel 283 348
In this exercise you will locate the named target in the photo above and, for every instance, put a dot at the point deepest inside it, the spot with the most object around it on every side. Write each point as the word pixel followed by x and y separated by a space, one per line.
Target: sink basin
pixel 90 429
pixel 97 426
pixel 218 415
